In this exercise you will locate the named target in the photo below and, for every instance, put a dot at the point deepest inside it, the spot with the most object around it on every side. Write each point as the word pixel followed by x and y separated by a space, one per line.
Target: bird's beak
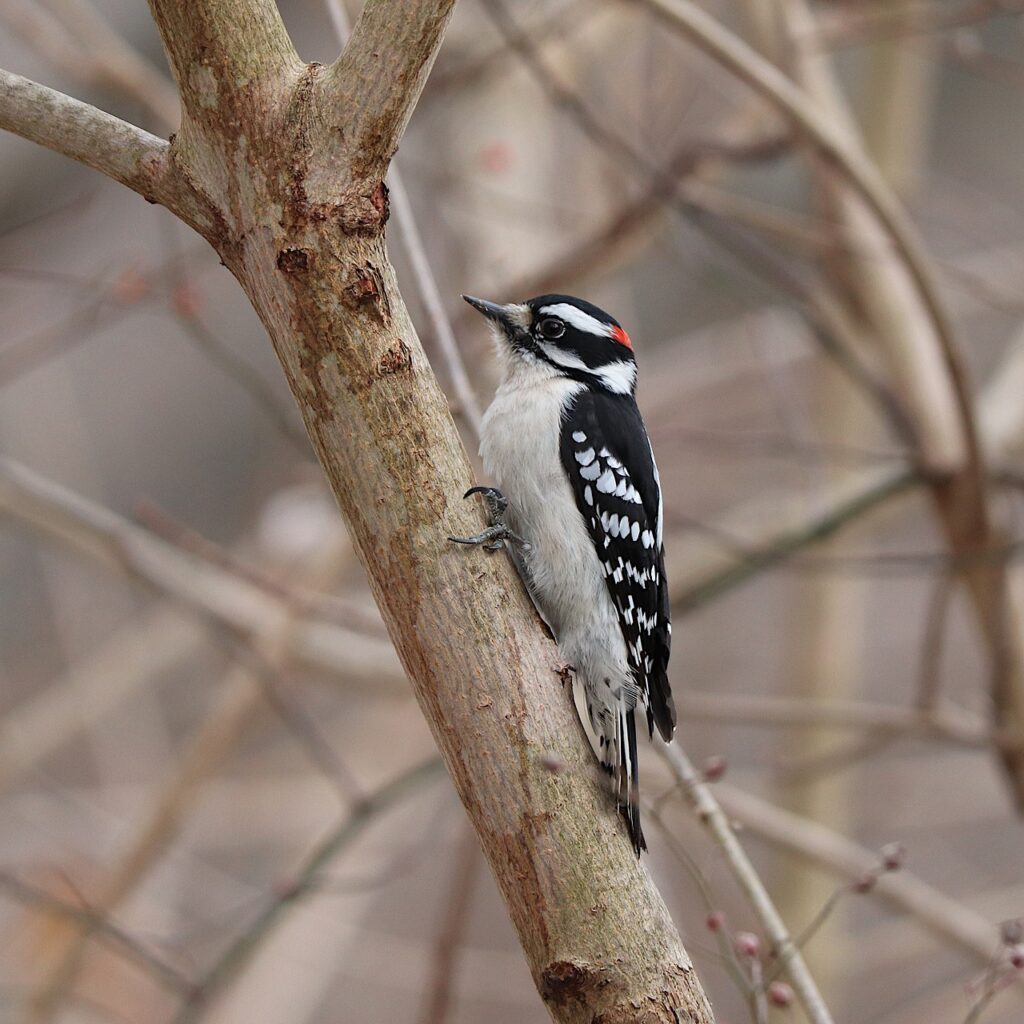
pixel 491 310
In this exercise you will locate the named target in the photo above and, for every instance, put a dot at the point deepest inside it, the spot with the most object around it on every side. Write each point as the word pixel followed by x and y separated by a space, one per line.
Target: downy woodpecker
pixel 578 504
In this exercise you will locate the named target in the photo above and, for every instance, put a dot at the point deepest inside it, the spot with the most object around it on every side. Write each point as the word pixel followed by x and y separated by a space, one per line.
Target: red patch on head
pixel 622 337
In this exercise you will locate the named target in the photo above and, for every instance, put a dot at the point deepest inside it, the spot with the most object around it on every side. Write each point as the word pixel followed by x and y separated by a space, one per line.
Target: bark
pixel 281 166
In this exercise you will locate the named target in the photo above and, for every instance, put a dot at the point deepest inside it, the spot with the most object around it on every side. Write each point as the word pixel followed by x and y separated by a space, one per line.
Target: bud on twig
pixel 894 856
pixel 715 921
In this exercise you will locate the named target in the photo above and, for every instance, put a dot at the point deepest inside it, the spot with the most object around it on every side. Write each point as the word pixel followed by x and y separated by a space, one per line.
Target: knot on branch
pixel 293 261
pixel 359 210
pixel 564 982
pixel 396 360
pixel 365 292
pixel 363 213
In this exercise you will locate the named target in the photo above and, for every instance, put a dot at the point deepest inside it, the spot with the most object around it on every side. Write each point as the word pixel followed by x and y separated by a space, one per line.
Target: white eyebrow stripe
pixel 580 320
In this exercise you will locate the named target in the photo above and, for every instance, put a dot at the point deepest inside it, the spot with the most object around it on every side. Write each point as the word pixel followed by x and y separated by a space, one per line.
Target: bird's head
pixel 563 336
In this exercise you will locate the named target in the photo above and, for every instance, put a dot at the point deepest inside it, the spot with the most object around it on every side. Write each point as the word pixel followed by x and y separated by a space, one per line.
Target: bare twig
pixel 120 940
pixel 689 596
pixel 196 582
pixel 945 723
pixel 465 867
pixel 77 39
pixel 867 23
pixel 305 880
pixel 951 921
pixel 712 817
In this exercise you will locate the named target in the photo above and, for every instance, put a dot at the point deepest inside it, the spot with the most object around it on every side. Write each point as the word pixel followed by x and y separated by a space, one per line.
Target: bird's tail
pixel 626 773
pixel 612 734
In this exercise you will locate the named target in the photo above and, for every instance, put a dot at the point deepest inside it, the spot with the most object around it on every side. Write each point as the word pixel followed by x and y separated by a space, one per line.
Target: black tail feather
pixel 661 709
pixel 628 796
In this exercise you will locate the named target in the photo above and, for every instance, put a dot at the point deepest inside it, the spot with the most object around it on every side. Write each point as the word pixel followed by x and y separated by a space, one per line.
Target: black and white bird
pixel 578 504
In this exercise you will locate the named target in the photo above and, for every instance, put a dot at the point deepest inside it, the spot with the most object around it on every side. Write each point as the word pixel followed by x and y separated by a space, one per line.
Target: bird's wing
pixel 608 460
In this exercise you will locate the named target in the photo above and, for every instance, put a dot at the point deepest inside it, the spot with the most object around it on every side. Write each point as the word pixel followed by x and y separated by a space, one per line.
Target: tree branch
pixel 375 83
pixel 213 590
pixel 94 138
pixel 222 54
pixel 950 921
pixel 736 56
pixel 713 818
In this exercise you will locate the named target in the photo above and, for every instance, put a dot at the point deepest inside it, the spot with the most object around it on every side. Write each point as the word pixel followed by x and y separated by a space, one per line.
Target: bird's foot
pixel 497 534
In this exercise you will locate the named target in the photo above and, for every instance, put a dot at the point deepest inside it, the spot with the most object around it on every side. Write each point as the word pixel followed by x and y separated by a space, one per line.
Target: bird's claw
pixel 497 534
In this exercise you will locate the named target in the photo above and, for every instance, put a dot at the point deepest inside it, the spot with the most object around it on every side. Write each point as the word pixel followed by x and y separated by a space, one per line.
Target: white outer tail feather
pixel 618 755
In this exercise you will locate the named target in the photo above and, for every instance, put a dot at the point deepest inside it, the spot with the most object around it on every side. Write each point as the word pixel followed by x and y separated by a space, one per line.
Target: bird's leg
pixel 497 534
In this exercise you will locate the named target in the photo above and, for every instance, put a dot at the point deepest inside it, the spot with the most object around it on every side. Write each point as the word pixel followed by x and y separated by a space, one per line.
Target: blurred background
pixel 218 799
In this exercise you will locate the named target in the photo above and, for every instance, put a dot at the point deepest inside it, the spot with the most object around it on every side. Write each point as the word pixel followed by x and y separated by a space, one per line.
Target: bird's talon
pixel 497 534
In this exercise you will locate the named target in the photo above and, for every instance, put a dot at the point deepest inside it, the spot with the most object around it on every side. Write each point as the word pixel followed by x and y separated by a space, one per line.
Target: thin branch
pixel 869 23
pixel 82 43
pixel 950 921
pixel 466 400
pixel 692 596
pixel 94 138
pixel 946 723
pixel 848 160
pixel 305 881
pixel 120 940
pixel 713 818
pixel 198 583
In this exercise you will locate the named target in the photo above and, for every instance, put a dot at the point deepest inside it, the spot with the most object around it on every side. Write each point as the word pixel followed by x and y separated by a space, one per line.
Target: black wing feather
pixel 607 458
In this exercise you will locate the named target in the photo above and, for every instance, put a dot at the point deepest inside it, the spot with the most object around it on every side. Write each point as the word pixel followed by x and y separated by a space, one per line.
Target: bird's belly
pixel 520 453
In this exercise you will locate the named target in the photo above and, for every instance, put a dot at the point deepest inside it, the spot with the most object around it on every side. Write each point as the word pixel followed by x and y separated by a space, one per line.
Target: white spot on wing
pixel 585 458
pixel 606 483
pixel 591 472
pixel 578 436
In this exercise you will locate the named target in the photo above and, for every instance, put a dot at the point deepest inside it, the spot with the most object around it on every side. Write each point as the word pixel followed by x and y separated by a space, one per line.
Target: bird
pixel 576 500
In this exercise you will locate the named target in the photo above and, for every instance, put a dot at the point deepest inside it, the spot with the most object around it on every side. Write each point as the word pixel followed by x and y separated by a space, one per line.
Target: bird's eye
pixel 552 327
